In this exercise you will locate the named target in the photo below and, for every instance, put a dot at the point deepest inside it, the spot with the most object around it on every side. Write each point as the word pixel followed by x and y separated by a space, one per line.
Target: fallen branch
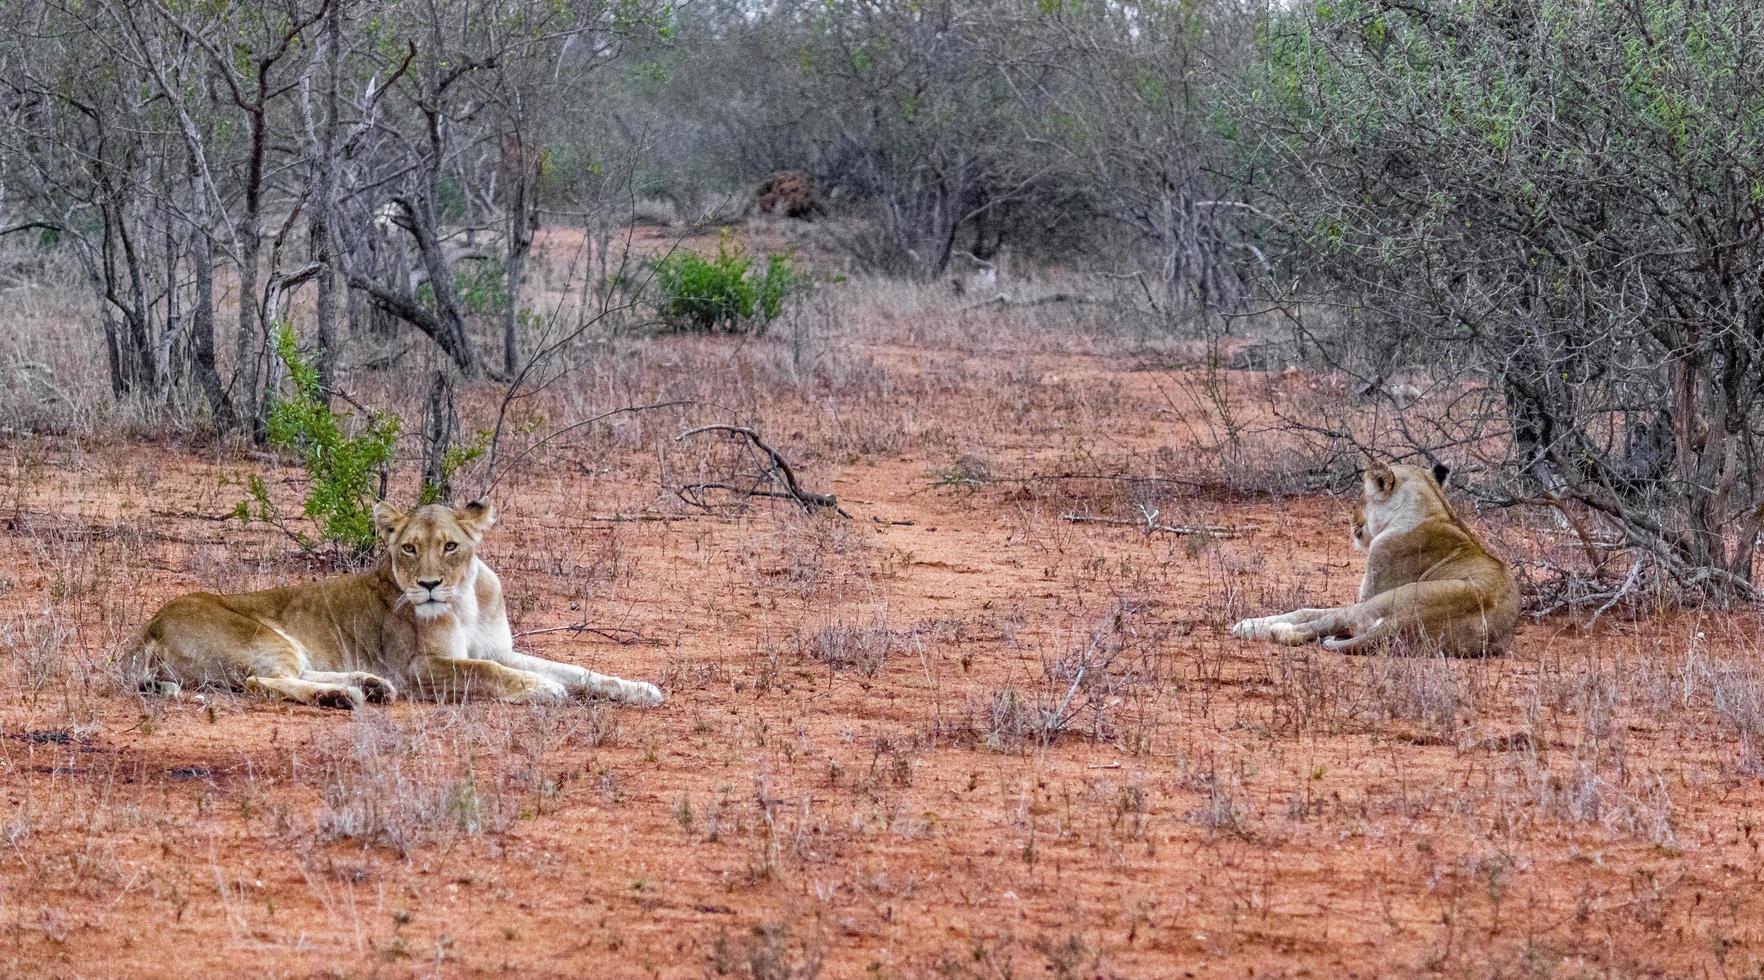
pixel 190 515
pixel 981 481
pixel 633 518
pixel 1628 586
pixel 1150 525
pixel 780 469
pixel 1001 301
pixel 612 633
pixel 692 493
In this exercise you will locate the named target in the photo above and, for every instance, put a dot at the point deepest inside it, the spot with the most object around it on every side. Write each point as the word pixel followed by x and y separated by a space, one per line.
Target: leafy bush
pixel 724 293
pixel 480 286
pixel 345 462
pixel 483 286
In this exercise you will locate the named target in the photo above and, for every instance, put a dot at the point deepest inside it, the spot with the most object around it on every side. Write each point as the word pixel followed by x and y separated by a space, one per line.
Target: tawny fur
pixel 1429 581
pixel 428 619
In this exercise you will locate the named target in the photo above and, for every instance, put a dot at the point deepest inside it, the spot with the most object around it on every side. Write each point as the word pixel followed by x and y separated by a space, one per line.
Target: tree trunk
pixel 324 208
pixel 511 315
pixel 523 167
pixel 113 355
pixel 248 369
pixel 438 425
pixel 251 332
pixel 202 332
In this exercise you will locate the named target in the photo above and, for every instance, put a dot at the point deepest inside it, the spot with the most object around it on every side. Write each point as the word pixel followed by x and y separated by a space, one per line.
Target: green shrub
pixel 483 286
pixel 480 287
pixel 725 292
pixel 345 461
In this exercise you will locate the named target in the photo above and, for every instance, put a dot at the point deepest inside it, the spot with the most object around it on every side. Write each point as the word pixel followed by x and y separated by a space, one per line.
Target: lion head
pixel 431 550
pixel 1399 497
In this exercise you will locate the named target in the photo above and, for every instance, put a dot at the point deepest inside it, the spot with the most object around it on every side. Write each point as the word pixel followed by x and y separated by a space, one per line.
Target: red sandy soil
pixel 1587 806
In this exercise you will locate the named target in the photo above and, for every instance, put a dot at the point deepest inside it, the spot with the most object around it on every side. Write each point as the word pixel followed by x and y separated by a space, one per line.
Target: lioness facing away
pixel 428 619
pixel 1428 581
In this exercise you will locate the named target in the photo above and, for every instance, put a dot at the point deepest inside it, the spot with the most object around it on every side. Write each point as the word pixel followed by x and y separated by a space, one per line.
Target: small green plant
pixel 453 460
pixel 726 292
pixel 483 286
pixel 480 287
pixel 344 461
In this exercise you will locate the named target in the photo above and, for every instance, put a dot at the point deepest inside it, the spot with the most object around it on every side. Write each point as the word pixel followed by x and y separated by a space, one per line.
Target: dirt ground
pixel 955 734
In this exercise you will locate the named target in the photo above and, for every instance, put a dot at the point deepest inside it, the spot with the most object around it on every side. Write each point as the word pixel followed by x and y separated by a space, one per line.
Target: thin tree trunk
pixel 251 332
pixel 202 314
pixel 113 354
pixel 248 368
pixel 168 337
pixel 438 426
pixel 520 242
pixel 324 210
pixel 139 360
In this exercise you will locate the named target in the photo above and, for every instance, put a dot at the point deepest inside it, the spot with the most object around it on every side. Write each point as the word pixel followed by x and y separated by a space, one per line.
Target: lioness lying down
pixel 1429 581
pixel 428 619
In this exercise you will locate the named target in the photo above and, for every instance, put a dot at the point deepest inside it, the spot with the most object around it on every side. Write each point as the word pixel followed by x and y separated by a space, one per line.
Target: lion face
pixel 432 549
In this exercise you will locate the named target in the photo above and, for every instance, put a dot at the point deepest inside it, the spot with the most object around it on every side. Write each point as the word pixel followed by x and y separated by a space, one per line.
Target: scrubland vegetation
pixel 915 392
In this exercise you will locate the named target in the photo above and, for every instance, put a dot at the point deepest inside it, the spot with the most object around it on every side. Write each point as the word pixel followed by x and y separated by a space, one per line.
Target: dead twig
pixel 617 634
pixel 1034 478
pixel 190 515
pixel 633 519
pixel 1149 524
pixel 1001 301
pixel 780 470
pixel 1628 586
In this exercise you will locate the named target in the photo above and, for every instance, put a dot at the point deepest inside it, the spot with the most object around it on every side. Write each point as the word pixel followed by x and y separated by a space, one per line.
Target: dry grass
pixel 954 735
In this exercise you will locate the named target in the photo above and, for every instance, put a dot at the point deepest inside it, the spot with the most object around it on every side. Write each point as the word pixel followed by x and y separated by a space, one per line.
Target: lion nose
pixel 429 583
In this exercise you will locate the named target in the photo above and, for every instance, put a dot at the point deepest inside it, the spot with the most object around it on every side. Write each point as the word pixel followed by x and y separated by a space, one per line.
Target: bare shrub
pixel 393 786
pixel 864 647
pixel 1104 681
pixel 766 952
pixel 1563 314
pixel 1006 717
pixel 1222 806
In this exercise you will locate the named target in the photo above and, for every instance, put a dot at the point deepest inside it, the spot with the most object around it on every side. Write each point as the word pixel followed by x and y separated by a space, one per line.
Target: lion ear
pixel 1440 472
pixel 476 517
pixel 1379 477
pixel 388 520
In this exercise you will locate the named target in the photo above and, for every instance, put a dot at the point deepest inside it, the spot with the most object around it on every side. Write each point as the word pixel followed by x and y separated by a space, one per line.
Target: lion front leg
pixel 316 693
pixel 461 679
pixel 373 687
pixel 580 680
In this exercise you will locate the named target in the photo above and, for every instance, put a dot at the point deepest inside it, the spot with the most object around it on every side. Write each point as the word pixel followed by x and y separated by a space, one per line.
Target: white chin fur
pixel 429 610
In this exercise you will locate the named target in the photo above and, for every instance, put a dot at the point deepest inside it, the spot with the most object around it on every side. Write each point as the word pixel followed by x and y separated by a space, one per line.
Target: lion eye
pixel 452 546
pixel 410 549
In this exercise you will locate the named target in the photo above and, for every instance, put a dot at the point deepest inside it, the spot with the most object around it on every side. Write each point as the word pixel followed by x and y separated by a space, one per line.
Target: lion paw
pixel 378 690
pixel 544 689
pixel 338 697
pixel 641 693
pixel 1250 629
